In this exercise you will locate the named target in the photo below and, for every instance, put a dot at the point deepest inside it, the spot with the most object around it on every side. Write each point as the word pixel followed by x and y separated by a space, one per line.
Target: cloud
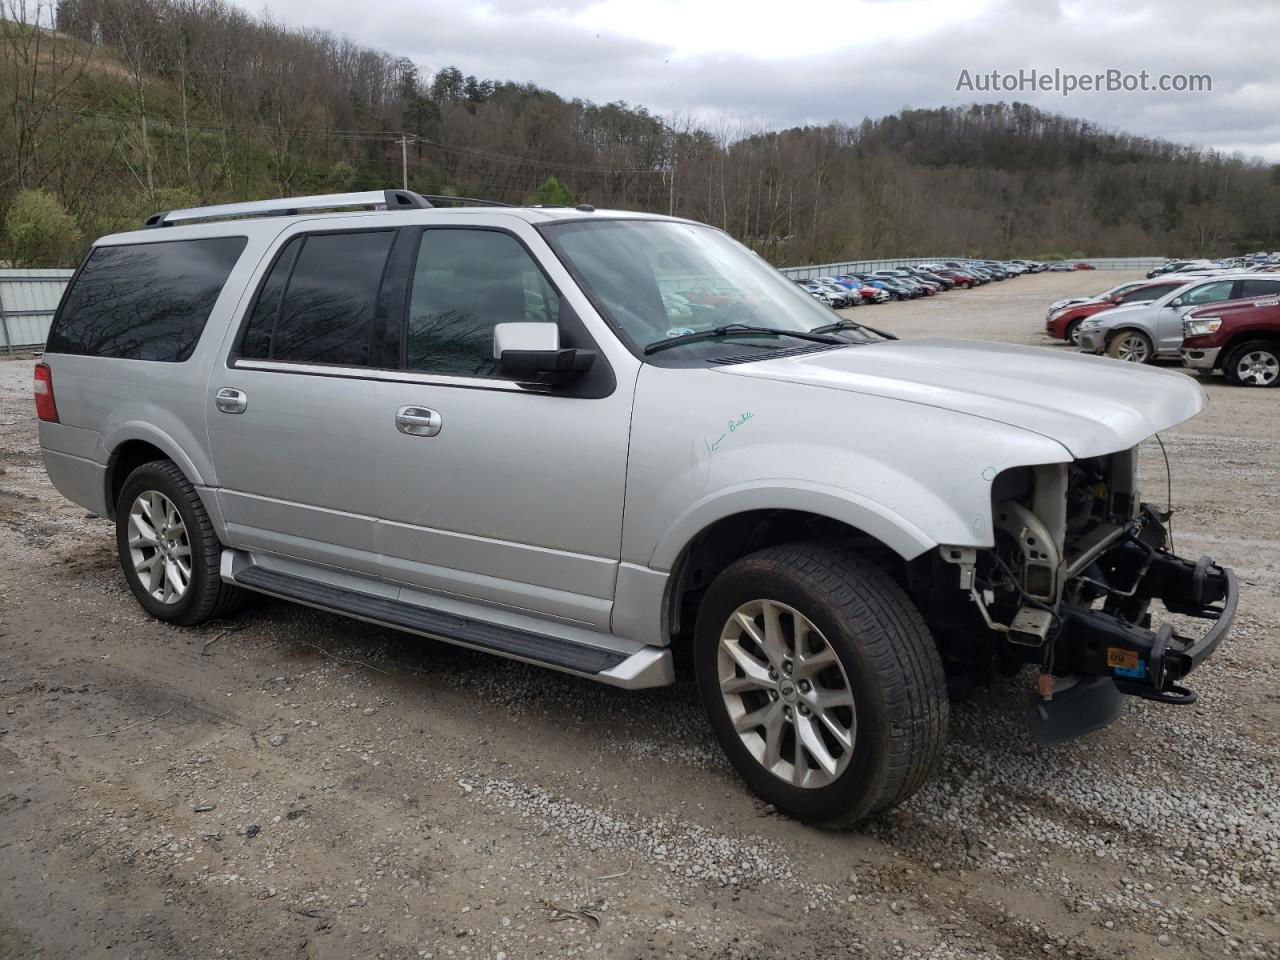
pixel 813 61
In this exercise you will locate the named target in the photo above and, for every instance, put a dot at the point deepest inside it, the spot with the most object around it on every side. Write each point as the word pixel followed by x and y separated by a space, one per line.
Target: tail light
pixel 46 408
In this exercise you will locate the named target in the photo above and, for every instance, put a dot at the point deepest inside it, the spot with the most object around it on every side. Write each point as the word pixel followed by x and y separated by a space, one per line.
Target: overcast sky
pixel 791 62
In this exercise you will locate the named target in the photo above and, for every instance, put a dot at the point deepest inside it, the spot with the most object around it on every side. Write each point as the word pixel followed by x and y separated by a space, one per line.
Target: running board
pixel 642 666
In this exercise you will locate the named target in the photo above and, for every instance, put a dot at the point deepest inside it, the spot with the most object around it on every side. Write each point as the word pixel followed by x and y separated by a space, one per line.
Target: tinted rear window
pixel 144 301
pixel 1259 288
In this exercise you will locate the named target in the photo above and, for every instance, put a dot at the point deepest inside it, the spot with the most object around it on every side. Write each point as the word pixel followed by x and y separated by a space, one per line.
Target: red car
pixel 1083 266
pixel 1064 324
pixel 1239 339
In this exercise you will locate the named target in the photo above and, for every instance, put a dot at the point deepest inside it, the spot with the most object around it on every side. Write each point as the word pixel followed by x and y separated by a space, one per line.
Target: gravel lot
pixel 290 784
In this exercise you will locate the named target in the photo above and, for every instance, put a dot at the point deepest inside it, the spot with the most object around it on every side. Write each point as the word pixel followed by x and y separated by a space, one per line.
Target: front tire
pixel 1254 364
pixel 168 549
pixel 1072 335
pixel 1133 346
pixel 821 682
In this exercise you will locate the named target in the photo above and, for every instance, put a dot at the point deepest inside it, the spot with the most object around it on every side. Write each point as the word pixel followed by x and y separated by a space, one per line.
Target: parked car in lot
pixel 940 281
pixel 1116 291
pixel 1064 323
pixel 367 413
pixel 1239 339
pixel 959 277
pixel 870 293
pixel 1173 266
pixel 823 295
pixel 1143 332
pixel 845 296
pixel 912 288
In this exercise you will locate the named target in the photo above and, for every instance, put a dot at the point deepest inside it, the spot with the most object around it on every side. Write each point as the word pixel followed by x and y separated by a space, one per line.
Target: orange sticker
pixel 1124 659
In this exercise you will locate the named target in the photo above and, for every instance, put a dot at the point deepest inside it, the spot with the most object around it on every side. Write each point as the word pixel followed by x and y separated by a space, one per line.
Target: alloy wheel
pixel 159 547
pixel 787 694
pixel 1132 348
pixel 1259 368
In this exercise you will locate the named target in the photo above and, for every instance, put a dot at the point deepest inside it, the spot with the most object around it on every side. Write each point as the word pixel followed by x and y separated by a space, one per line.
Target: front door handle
pixel 231 400
pixel 418 421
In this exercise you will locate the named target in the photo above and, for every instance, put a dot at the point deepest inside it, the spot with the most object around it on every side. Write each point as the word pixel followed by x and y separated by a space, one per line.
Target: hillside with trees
pixel 116 108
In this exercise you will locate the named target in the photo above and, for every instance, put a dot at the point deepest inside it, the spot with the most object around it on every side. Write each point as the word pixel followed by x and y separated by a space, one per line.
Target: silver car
pixel 592 440
pixel 1143 332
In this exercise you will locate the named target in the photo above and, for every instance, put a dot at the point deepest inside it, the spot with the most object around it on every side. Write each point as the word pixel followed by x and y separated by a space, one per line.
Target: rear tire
pixel 846 630
pixel 163 535
pixel 1253 364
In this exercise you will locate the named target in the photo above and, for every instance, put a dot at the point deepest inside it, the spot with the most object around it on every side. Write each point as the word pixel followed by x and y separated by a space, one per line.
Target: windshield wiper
pixel 852 325
pixel 729 329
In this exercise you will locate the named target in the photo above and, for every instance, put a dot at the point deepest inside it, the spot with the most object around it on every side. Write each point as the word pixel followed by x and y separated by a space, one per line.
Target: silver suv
pixel 594 440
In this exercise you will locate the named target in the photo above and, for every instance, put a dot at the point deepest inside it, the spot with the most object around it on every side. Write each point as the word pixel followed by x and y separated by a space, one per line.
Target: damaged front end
pixel 1077 561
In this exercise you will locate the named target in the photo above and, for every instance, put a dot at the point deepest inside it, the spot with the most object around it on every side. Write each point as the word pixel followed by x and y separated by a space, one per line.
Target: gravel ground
pixel 291 784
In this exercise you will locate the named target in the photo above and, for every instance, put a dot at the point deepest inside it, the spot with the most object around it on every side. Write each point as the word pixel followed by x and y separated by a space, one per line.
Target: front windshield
pixel 660 279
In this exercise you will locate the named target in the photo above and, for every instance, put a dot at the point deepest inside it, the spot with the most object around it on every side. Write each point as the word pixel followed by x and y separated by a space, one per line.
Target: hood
pixel 1069 301
pixel 1103 316
pixel 1090 405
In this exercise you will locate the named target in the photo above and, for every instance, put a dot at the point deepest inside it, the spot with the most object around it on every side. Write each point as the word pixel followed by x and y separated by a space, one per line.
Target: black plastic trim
pixel 539 648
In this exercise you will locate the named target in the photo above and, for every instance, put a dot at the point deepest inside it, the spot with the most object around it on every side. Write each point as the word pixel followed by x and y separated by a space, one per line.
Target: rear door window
pixel 319 302
pixel 144 301
pixel 1258 288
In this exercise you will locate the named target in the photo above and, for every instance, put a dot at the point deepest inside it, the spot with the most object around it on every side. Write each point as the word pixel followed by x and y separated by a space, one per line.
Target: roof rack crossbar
pixel 290 206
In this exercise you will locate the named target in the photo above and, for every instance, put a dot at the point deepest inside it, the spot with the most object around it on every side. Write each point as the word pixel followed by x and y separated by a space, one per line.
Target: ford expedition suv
pixel 489 426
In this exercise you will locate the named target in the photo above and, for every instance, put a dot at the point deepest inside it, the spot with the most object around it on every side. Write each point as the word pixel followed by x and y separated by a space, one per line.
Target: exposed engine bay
pixel 1077 561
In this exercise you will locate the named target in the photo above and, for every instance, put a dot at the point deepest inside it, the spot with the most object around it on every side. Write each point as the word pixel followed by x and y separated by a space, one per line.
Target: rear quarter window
pixel 144 301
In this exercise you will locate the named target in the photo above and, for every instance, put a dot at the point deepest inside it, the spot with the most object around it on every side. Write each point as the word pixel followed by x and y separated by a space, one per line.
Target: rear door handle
pixel 231 400
pixel 418 421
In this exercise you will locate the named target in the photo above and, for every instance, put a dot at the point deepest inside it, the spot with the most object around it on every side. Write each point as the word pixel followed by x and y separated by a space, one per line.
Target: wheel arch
pixel 1128 328
pixel 136 444
pixel 707 540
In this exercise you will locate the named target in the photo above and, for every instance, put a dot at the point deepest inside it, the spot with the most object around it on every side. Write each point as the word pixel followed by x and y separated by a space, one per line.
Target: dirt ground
pixel 295 785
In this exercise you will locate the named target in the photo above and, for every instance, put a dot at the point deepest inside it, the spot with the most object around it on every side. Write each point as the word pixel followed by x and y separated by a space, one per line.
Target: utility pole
pixel 404 160
pixel 671 201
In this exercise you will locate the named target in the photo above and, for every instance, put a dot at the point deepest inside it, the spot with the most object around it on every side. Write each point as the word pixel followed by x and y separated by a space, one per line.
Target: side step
pixel 646 666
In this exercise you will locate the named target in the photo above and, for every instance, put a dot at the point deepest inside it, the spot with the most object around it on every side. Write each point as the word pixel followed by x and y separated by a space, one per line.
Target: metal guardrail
pixel 870 266
pixel 28 300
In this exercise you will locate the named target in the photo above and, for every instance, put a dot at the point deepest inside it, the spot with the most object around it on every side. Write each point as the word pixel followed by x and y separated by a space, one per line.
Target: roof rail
pixel 465 201
pixel 290 206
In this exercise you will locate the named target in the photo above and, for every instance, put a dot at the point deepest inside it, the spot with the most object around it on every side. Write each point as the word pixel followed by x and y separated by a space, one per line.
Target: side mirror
pixel 531 353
